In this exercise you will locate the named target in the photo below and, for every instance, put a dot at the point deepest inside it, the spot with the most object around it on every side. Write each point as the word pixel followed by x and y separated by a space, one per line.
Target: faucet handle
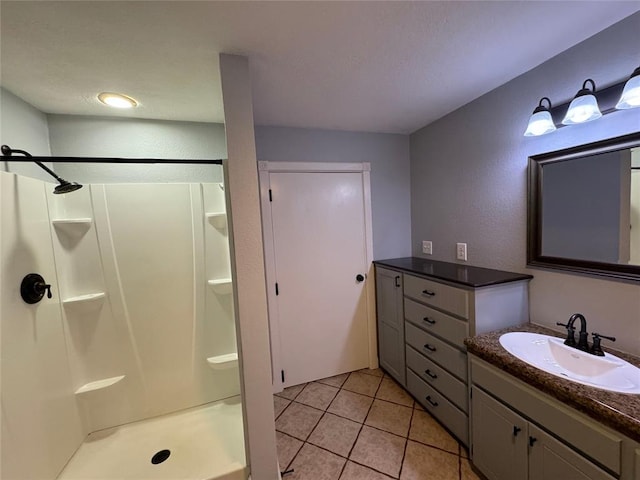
pixel 596 349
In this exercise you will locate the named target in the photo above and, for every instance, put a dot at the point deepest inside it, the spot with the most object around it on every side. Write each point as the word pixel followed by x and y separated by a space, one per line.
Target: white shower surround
pixel 149 349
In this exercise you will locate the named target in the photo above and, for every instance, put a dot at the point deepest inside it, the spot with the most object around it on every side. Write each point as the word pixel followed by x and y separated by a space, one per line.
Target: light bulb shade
pixel 630 97
pixel 583 108
pixel 539 124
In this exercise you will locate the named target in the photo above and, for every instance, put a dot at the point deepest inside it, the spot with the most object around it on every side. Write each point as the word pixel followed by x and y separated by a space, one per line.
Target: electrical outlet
pixel 426 247
pixel 461 251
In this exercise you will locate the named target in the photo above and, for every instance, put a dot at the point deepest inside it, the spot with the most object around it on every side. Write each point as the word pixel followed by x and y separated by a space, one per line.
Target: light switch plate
pixel 427 247
pixel 461 251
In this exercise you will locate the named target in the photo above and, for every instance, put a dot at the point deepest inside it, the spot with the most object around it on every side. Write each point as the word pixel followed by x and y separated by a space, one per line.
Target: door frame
pixel 264 169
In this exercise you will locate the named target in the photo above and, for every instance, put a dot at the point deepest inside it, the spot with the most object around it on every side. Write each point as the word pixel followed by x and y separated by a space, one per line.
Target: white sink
pixel 553 356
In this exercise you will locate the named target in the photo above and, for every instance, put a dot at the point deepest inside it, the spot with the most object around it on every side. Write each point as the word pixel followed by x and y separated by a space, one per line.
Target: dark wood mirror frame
pixel 534 212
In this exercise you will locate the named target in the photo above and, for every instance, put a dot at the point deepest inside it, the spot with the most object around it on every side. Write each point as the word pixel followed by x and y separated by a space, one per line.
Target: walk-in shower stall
pixel 130 370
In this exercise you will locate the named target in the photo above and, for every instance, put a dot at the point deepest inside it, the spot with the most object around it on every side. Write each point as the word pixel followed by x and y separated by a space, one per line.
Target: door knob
pixel 359 278
pixel 33 288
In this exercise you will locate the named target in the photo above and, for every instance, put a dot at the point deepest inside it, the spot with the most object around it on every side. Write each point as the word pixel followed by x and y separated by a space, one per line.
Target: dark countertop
pixel 620 411
pixel 453 272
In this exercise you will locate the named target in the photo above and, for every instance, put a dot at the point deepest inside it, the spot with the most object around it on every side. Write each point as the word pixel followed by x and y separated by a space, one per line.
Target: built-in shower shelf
pixel 223 362
pixel 217 219
pixel 86 302
pixel 221 286
pixel 99 385
pixel 74 227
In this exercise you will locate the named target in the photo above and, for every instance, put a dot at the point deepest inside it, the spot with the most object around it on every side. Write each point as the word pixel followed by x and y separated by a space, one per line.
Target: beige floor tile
pixel 351 405
pixel 392 392
pixel 353 471
pixel 291 392
pixel 287 449
pixel 389 417
pixel 421 462
pixel 298 420
pixel 335 381
pixel 362 383
pixel 313 463
pixel 467 472
pixel 425 429
pixel 335 434
pixel 376 372
pixel 279 404
pixel 379 450
pixel 419 407
pixel 317 395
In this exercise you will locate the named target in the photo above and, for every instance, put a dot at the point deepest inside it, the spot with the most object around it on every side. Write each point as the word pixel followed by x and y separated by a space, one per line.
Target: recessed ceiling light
pixel 117 100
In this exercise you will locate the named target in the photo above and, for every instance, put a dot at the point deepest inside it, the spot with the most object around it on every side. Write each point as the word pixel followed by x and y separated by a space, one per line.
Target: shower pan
pixel 137 346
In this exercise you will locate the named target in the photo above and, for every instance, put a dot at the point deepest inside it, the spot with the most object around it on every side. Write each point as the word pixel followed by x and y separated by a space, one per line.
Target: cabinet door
pixel 499 439
pixel 549 458
pixel 390 322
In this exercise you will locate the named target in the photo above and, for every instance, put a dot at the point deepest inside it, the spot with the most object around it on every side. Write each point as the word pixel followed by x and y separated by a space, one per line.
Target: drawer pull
pixel 429 373
pixel 516 430
pixel 428 397
pixel 428 293
pixel 429 321
pixel 431 348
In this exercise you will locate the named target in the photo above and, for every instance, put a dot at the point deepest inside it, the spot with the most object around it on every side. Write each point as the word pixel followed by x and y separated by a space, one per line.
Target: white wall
pixel 41 426
pixel 469 172
pixel 388 155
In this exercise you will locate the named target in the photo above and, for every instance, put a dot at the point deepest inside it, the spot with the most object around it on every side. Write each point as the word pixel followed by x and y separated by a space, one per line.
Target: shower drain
pixel 160 457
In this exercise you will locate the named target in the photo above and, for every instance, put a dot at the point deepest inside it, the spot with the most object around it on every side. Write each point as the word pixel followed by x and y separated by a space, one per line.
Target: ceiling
pixel 362 66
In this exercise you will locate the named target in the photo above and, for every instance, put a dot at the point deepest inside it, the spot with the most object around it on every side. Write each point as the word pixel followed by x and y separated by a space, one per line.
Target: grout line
pixel 406 444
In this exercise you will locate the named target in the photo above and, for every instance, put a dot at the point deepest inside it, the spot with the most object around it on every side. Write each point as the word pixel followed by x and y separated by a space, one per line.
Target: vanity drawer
pixel 452 359
pixel 451 299
pixel 437 405
pixel 436 322
pixel 439 378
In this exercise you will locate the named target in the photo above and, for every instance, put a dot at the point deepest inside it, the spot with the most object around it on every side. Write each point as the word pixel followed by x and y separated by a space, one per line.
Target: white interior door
pixel 319 249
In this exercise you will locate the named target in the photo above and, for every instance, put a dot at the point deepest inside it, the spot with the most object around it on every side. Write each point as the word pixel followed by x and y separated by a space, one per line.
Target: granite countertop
pixel 620 411
pixel 453 272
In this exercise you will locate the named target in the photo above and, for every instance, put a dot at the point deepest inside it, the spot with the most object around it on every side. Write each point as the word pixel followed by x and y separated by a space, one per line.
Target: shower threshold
pixel 202 443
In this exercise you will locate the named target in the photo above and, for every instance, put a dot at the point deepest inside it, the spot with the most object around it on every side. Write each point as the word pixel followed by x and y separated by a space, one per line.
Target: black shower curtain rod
pixel 10 158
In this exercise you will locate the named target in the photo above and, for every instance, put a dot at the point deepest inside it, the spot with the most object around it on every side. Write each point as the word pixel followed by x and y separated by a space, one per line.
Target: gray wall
pixel 389 158
pixel 83 136
pixel 469 170
pixel 23 127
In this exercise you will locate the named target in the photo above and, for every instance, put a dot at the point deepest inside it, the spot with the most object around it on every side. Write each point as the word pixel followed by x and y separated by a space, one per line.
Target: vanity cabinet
pixel 518 432
pixel 390 322
pixel 506 446
pixel 425 311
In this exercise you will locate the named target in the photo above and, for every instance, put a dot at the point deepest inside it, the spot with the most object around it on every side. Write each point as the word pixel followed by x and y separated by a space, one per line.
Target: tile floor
pixel 362 426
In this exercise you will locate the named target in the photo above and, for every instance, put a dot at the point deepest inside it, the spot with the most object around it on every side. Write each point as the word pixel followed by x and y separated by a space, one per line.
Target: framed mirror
pixel 584 209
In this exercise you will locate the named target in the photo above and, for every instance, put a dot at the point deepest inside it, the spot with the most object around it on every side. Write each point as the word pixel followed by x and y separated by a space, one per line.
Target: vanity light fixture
pixel 540 121
pixel 630 97
pixel 584 107
pixel 117 100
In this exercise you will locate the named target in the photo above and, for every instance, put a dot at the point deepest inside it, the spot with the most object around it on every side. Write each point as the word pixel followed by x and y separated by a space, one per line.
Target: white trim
pixel 311 167
pixel 264 168
pixel 270 276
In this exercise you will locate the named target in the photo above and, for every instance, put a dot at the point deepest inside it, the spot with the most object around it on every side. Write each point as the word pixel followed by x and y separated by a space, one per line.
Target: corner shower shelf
pixel 85 302
pixel 221 285
pixel 217 219
pixel 99 384
pixel 223 362
pixel 74 227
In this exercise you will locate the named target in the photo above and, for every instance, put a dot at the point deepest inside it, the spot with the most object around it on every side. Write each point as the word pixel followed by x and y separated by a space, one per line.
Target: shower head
pixel 67 187
pixel 64 187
